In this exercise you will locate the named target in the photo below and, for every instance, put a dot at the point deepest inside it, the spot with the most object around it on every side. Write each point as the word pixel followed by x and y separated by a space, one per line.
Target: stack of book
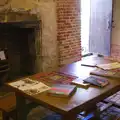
pixel 106 73
pixel 111 70
pixel 107 70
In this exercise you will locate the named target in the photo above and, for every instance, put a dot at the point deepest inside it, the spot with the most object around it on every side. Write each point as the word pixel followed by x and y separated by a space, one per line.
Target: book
pixel 62 90
pixel 97 81
pixel 109 66
pixel 106 73
pixel 89 64
pixel 115 99
pixel 86 117
pixel 101 106
pixel 79 82
pixel 55 78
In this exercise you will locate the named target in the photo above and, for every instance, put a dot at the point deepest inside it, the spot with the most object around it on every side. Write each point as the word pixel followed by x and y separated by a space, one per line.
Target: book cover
pixel 106 73
pixel 97 81
pixel 55 78
pixel 79 82
pixel 62 90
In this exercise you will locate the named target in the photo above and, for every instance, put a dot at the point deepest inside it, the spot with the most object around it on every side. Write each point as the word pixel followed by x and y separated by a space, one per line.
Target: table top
pixel 82 98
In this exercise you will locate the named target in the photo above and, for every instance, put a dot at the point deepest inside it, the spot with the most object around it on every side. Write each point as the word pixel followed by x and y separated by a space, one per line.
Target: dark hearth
pixel 18 40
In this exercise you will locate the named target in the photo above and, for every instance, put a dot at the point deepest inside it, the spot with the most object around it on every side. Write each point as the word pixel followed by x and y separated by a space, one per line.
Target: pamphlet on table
pixel 30 86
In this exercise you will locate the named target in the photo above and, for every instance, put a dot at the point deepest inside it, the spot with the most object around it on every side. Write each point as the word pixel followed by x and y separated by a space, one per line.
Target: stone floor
pixel 41 113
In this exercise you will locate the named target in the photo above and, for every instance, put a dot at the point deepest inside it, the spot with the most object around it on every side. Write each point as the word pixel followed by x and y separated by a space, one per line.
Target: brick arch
pixel 68 28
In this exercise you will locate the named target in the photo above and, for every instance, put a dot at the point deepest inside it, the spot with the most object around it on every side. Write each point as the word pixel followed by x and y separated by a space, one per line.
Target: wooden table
pixel 83 99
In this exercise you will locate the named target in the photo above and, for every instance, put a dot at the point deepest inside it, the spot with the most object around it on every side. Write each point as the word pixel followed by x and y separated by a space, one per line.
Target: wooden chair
pixel 7 107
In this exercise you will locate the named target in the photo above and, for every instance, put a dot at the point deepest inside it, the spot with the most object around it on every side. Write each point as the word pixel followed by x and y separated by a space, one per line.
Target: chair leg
pixel 4 116
pixel 7 116
pixel 12 115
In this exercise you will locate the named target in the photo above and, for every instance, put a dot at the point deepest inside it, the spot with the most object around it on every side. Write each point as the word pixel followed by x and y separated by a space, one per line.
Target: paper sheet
pixel 23 85
pixel 30 86
pixel 38 88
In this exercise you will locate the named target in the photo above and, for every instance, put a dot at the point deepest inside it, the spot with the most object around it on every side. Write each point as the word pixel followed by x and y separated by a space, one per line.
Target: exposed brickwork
pixel 115 52
pixel 68 21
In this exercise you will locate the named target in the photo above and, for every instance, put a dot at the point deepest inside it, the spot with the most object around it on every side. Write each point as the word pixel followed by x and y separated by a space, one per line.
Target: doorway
pixel 96 22
pixel 85 24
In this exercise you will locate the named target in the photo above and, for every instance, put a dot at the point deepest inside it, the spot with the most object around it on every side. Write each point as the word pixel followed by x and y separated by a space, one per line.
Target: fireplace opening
pixel 18 42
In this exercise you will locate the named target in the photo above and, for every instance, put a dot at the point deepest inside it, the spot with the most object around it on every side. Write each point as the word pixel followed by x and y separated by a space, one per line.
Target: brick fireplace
pixel 35 50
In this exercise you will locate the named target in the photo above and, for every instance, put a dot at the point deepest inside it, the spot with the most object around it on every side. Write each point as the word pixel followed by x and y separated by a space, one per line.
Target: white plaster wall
pixel 47 12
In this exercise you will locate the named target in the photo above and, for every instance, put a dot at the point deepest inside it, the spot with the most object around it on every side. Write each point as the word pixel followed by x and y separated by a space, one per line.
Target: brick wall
pixel 68 30
pixel 115 52
pixel 68 27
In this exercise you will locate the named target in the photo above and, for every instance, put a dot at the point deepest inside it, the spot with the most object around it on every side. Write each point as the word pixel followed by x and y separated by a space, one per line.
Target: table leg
pixel 97 114
pixel 21 108
pixel 69 117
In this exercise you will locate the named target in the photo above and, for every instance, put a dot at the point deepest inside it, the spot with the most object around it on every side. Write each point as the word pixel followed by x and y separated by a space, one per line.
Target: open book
pixel 30 86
